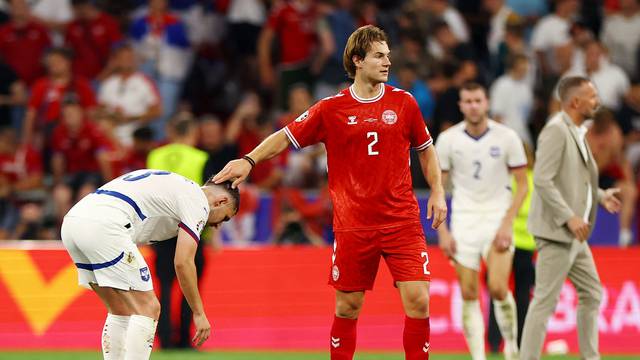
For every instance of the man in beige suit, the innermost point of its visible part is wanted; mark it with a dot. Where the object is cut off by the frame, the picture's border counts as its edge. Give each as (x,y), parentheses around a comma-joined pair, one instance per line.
(561,217)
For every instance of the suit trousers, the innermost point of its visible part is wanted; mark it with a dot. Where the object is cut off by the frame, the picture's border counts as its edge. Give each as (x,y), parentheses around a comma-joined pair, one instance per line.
(556,261)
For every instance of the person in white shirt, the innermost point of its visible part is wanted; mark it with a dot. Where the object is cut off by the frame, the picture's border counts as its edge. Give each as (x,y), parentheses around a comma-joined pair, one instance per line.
(621,35)
(512,97)
(552,33)
(102,230)
(130,95)
(612,82)
(499,15)
(452,17)
(481,156)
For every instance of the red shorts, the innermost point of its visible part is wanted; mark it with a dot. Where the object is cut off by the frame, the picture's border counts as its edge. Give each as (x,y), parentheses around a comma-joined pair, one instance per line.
(356,256)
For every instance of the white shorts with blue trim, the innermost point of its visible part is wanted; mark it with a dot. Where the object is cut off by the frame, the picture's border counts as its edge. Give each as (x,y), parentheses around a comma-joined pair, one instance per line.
(105,254)
(474,234)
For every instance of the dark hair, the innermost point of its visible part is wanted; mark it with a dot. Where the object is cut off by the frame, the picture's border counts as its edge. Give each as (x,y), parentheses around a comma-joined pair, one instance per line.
(473,86)
(358,44)
(182,127)
(144,133)
(65,52)
(234,192)
(567,84)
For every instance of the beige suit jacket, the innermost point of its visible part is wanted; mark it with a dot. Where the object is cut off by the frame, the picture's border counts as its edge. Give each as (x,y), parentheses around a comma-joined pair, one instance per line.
(561,178)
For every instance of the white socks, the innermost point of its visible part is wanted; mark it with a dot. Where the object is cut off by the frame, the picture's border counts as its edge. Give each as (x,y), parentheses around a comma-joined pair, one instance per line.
(140,335)
(505,311)
(473,325)
(113,337)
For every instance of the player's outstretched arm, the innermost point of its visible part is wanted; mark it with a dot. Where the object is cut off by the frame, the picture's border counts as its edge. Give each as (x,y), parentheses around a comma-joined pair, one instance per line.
(437,206)
(240,168)
(188,279)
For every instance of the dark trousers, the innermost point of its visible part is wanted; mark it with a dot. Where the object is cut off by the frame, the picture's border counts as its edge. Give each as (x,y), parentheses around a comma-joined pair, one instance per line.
(524,279)
(165,252)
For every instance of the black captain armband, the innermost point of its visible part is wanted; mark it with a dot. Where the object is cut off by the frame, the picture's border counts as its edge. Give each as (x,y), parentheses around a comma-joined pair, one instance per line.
(250,160)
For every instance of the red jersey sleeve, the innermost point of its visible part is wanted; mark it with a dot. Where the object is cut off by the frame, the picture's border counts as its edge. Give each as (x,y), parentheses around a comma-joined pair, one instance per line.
(418,133)
(274,20)
(308,128)
(37,94)
(85,92)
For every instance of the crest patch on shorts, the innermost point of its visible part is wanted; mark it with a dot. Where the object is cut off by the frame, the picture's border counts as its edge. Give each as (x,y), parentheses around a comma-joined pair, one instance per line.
(144,274)
(335,273)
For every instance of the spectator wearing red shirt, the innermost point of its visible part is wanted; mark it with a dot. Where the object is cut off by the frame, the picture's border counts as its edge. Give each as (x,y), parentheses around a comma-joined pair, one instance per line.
(76,144)
(43,109)
(293,24)
(91,35)
(23,42)
(21,165)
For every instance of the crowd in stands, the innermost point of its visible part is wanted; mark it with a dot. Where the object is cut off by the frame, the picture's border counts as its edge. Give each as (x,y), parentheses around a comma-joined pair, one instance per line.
(87,88)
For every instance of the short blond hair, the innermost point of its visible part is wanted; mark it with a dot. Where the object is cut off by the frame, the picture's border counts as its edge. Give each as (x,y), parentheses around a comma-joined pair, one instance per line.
(359,44)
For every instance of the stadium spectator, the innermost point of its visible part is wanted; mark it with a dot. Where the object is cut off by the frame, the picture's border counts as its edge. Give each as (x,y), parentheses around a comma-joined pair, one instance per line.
(255,128)
(219,141)
(447,111)
(500,14)
(407,78)
(13,96)
(452,17)
(91,35)
(411,49)
(143,143)
(44,106)
(23,42)
(612,82)
(444,46)
(54,15)
(293,24)
(245,18)
(621,35)
(550,37)
(333,30)
(607,145)
(512,98)
(161,42)
(76,143)
(130,95)
(9,214)
(21,166)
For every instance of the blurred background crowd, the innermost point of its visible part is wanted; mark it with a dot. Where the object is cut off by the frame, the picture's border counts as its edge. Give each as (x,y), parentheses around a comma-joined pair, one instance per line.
(88,88)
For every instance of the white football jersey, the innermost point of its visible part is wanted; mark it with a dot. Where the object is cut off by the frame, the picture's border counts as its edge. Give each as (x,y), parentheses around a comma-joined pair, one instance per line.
(152,203)
(479,167)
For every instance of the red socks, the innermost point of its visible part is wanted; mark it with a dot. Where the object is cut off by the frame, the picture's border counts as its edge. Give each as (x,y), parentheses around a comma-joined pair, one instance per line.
(416,338)
(343,338)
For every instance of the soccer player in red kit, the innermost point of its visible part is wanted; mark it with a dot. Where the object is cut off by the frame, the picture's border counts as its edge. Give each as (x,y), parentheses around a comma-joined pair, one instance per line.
(368,130)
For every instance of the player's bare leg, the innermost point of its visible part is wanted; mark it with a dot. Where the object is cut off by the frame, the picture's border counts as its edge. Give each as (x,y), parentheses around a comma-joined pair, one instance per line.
(415,300)
(499,269)
(115,326)
(472,319)
(343,330)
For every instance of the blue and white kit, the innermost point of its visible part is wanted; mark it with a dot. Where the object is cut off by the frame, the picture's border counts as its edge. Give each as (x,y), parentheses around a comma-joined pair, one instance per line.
(101,231)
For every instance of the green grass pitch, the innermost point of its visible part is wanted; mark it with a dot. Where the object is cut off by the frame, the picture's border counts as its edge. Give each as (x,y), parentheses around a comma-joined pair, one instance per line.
(232,355)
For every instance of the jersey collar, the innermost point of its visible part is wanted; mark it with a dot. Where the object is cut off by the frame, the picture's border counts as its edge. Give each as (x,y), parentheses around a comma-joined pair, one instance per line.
(369,100)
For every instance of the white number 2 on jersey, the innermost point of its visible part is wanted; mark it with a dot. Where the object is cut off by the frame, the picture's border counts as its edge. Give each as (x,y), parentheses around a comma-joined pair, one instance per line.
(374,135)
(426,262)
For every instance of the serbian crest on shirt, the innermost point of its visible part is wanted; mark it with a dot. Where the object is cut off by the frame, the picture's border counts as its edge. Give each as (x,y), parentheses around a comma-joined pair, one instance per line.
(144,274)
(389,117)
(200,226)
(494,151)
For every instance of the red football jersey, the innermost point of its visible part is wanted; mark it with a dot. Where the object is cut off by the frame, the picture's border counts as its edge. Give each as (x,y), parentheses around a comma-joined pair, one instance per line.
(367,142)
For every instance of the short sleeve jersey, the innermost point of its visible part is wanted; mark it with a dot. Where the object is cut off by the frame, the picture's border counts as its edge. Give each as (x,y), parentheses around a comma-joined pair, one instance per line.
(368,143)
(156,202)
(480,166)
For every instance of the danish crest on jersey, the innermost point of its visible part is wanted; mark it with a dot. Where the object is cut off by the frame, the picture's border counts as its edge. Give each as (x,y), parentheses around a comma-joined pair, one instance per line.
(144,274)
(494,151)
(335,273)
(302,117)
(389,117)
